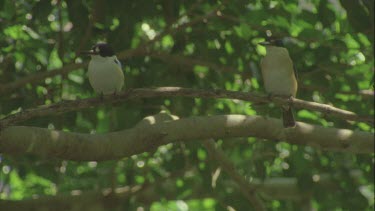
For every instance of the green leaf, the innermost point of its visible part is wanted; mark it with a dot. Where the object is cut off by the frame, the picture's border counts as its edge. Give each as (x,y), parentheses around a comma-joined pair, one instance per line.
(16,32)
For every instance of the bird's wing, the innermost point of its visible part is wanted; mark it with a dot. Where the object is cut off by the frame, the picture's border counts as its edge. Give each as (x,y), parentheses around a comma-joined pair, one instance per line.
(119,70)
(295,72)
(118,63)
(120,75)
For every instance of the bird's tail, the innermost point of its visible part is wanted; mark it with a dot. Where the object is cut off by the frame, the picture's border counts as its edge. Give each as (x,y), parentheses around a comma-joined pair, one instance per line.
(288,118)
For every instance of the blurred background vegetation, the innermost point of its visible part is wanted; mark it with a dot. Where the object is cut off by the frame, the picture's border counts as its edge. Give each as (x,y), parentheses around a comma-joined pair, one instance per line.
(198,44)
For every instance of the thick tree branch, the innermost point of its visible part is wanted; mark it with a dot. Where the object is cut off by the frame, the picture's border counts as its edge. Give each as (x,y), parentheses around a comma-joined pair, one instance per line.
(67,106)
(153,132)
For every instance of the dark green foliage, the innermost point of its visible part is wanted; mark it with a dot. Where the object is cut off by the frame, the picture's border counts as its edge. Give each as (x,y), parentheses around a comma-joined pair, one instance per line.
(331,43)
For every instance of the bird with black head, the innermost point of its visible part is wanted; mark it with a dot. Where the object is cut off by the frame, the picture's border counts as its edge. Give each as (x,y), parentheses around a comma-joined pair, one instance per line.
(104,71)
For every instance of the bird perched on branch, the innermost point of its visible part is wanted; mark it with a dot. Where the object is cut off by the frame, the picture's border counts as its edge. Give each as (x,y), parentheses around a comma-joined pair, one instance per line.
(104,71)
(279,76)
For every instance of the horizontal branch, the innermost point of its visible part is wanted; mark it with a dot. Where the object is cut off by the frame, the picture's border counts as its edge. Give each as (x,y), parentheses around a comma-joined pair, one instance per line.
(157,130)
(67,106)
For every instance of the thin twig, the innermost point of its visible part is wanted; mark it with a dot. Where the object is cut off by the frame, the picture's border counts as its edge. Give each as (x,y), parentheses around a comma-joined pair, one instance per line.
(245,187)
(67,106)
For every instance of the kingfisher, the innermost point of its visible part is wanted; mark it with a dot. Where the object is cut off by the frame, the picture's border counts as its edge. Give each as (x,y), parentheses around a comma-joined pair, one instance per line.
(104,71)
(279,76)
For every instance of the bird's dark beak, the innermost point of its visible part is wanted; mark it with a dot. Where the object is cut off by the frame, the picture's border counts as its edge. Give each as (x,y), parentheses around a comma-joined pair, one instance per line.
(264,43)
(90,52)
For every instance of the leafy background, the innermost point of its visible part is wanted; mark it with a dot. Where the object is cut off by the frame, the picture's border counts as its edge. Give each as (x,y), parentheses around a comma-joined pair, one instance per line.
(197,44)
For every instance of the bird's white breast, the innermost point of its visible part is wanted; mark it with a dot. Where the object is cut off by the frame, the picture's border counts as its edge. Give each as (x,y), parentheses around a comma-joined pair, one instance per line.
(105,75)
(278,72)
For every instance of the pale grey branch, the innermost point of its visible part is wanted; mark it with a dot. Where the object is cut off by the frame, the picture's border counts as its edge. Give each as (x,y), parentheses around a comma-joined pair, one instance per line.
(146,137)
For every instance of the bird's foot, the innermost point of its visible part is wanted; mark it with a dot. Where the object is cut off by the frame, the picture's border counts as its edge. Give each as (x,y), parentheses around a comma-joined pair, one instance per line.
(290,100)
